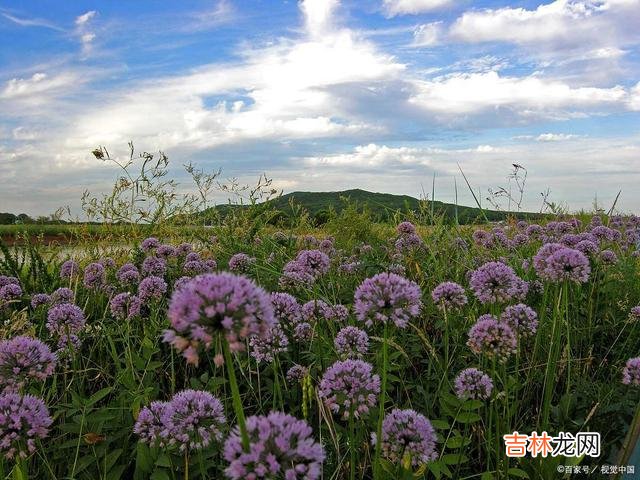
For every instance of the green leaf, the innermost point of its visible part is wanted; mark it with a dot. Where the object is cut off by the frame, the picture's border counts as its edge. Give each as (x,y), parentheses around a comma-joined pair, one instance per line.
(99,395)
(160,475)
(468,417)
(516,472)
(457,442)
(454,459)
(440,424)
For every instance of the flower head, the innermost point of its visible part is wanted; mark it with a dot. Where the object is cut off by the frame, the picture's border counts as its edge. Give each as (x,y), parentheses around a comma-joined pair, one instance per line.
(474,384)
(23,359)
(23,420)
(349,388)
(65,319)
(522,319)
(286,309)
(94,276)
(128,274)
(217,303)
(407,434)
(149,244)
(152,289)
(69,270)
(297,373)
(387,297)
(40,299)
(265,348)
(556,264)
(496,282)
(154,266)
(241,262)
(631,372)
(449,295)
(351,342)
(280,446)
(62,295)
(124,306)
(492,338)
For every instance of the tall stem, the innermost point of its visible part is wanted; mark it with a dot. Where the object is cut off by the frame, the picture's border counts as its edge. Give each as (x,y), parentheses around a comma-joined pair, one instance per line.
(235,395)
(352,448)
(383,397)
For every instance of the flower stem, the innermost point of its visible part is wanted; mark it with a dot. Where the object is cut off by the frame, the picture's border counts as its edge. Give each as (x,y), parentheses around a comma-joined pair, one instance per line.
(383,394)
(235,394)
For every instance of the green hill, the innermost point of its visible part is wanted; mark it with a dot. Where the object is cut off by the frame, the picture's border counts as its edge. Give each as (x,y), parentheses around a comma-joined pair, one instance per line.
(382,206)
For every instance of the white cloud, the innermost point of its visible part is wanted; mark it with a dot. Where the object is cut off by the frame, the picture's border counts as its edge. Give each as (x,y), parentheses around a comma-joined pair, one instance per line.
(31,22)
(319,15)
(475,93)
(84,31)
(222,13)
(634,99)
(427,35)
(35,88)
(556,137)
(413,7)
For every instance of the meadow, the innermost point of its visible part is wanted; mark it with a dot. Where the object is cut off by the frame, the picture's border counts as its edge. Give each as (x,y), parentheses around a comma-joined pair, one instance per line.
(246,350)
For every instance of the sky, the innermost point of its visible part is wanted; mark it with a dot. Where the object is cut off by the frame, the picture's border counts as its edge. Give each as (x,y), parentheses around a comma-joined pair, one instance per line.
(325,95)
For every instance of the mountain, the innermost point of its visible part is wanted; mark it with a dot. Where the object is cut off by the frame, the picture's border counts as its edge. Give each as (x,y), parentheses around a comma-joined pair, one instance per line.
(381,205)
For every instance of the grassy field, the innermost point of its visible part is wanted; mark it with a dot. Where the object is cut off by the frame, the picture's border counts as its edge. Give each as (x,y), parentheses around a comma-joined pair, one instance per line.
(366,344)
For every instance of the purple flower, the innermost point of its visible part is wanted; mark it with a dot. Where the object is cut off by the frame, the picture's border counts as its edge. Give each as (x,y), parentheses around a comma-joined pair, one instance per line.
(405,228)
(495,282)
(407,433)
(94,276)
(194,267)
(522,319)
(241,262)
(472,383)
(387,297)
(587,247)
(217,303)
(65,319)
(307,267)
(69,270)
(192,257)
(10,292)
(210,265)
(449,295)
(349,388)
(128,274)
(286,309)
(296,373)
(181,282)
(184,248)
(154,266)
(62,295)
(166,251)
(608,257)
(351,342)
(635,313)
(631,372)
(492,338)
(149,244)
(40,299)
(23,359)
(408,242)
(482,238)
(280,446)
(265,348)
(303,332)
(192,420)
(152,289)
(107,262)
(124,306)
(558,263)
(4,281)
(315,310)
(23,420)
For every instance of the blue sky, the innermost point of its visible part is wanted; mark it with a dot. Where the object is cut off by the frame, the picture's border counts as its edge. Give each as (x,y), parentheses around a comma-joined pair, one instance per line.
(324,95)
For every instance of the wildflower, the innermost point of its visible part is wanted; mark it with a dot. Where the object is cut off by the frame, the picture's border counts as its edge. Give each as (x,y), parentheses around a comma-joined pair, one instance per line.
(107,262)
(631,372)
(635,313)
(307,267)
(152,289)
(297,373)
(69,270)
(407,242)
(62,295)
(40,299)
(449,295)
(210,265)
(482,238)
(241,262)
(94,276)
(23,420)
(184,248)
(265,348)
(608,257)
(587,247)
(387,297)
(303,332)
(166,252)
(194,267)
(149,426)
(495,282)
(149,244)
(280,446)
(154,266)
(286,309)
(349,388)
(315,310)
(472,383)
(23,359)
(492,338)
(522,319)
(125,306)
(407,434)
(351,342)
(5,280)
(556,263)
(65,319)
(10,292)
(128,274)
(217,303)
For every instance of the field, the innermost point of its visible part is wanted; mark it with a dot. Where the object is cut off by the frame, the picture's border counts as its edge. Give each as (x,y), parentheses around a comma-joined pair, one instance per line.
(173,357)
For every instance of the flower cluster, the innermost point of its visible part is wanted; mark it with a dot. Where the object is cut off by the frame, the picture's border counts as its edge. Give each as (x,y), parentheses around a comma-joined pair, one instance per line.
(387,297)
(94,276)
(265,348)
(495,282)
(307,267)
(449,295)
(191,420)
(280,446)
(125,306)
(349,388)
(351,342)
(407,434)
(154,266)
(69,270)
(631,372)
(555,263)
(217,303)
(286,309)
(23,420)
(474,384)
(241,263)
(65,321)
(492,338)
(522,319)
(152,289)
(128,274)
(23,359)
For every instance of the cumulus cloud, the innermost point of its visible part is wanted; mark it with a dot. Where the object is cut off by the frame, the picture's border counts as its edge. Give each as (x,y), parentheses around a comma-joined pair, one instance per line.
(413,7)
(427,35)
(555,137)
(37,88)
